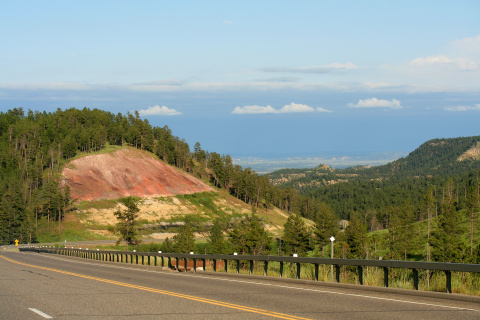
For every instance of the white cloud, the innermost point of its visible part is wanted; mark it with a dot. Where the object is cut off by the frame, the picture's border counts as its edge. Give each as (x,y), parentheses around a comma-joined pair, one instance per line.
(328,68)
(254,110)
(290,108)
(159,111)
(377,103)
(295,107)
(464,108)
(460,63)
(320,109)
(467,44)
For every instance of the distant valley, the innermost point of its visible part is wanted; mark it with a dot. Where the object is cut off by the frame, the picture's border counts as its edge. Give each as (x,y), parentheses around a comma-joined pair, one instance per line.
(263,164)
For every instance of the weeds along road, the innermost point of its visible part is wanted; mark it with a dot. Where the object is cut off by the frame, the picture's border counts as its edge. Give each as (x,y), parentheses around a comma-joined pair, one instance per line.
(39,286)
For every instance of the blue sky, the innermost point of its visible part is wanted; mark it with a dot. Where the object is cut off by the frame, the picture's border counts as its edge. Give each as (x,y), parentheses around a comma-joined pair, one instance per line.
(254,77)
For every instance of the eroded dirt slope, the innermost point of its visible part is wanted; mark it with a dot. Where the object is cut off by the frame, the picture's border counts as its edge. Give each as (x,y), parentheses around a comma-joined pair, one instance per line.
(126,172)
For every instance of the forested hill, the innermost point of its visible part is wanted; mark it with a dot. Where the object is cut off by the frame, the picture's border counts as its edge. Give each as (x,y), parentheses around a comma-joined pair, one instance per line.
(438,157)
(434,158)
(365,189)
(35,146)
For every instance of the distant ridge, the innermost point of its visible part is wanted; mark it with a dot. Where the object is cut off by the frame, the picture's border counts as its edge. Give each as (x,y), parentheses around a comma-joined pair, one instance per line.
(434,158)
(126,172)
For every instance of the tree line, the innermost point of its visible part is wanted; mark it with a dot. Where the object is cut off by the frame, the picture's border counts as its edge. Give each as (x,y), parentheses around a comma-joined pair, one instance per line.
(35,145)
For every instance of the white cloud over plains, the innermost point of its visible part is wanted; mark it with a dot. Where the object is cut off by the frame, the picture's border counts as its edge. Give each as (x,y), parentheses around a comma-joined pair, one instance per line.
(159,111)
(458,63)
(464,108)
(328,68)
(376,103)
(290,108)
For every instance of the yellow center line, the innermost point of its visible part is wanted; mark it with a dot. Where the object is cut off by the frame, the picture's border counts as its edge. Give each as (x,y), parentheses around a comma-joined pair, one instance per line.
(169,293)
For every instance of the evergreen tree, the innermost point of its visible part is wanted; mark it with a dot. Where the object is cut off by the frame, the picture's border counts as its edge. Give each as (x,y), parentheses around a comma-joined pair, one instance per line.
(184,240)
(472,206)
(356,237)
(400,229)
(167,246)
(216,242)
(429,206)
(249,236)
(326,225)
(127,221)
(296,236)
(446,239)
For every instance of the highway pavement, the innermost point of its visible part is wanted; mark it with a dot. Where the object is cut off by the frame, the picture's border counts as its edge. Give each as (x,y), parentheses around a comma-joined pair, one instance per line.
(42,286)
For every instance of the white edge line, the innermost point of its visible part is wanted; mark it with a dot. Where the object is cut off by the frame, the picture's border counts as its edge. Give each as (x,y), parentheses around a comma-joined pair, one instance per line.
(40,313)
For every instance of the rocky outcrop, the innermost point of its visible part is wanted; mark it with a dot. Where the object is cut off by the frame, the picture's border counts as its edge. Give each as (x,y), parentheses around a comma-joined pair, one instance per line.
(126,172)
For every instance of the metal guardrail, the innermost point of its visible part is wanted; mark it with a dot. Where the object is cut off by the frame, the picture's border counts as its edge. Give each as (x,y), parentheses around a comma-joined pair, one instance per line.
(129,256)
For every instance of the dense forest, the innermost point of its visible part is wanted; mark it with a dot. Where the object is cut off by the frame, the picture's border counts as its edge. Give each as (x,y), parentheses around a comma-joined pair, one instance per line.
(34,146)
(429,201)
(368,190)
(438,183)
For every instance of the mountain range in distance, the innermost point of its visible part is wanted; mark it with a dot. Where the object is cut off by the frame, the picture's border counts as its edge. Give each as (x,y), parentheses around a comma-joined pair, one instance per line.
(264,164)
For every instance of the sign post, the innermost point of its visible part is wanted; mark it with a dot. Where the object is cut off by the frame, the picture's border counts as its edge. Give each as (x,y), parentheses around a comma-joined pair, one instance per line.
(332,239)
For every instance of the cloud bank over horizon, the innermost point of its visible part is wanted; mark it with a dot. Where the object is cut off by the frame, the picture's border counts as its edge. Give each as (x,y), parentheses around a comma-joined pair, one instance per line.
(290,108)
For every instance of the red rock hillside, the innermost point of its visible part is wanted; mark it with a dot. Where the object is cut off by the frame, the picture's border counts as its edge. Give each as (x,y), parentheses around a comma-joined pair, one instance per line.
(127,172)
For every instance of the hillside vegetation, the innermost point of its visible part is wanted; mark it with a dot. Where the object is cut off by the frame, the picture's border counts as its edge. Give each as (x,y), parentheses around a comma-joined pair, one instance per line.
(436,187)
(361,189)
(423,207)
(34,148)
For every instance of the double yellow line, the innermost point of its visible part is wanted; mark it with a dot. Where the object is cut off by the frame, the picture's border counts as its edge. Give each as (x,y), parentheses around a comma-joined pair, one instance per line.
(169,293)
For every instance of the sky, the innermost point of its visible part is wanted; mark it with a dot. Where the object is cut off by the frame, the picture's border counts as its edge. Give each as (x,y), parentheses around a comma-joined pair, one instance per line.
(254,78)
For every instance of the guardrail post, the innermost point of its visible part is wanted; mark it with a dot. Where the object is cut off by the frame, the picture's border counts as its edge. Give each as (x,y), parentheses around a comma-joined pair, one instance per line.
(251,267)
(148,260)
(143,260)
(176,262)
(298,270)
(385,277)
(225,264)
(337,273)
(265,268)
(204,264)
(169,264)
(281,269)
(194,265)
(360,275)
(316,271)
(238,266)
(448,275)
(214,265)
(155,261)
(415,279)
(185,264)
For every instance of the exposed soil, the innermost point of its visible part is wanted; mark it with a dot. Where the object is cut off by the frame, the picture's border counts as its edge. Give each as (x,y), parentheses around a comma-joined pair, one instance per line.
(132,172)
(126,172)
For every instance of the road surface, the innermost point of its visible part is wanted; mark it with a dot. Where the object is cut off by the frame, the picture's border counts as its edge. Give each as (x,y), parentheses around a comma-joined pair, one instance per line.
(43,286)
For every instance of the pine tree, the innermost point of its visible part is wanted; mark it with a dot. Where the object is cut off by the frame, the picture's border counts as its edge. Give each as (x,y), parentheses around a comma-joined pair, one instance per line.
(356,237)
(184,240)
(216,242)
(326,225)
(249,236)
(445,241)
(127,221)
(296,236)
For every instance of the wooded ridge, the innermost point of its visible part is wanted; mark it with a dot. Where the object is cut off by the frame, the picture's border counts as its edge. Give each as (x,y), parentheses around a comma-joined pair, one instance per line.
(438,183)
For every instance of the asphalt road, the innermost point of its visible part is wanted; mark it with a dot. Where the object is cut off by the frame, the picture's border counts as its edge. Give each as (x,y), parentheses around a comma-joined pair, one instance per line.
(40,286)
